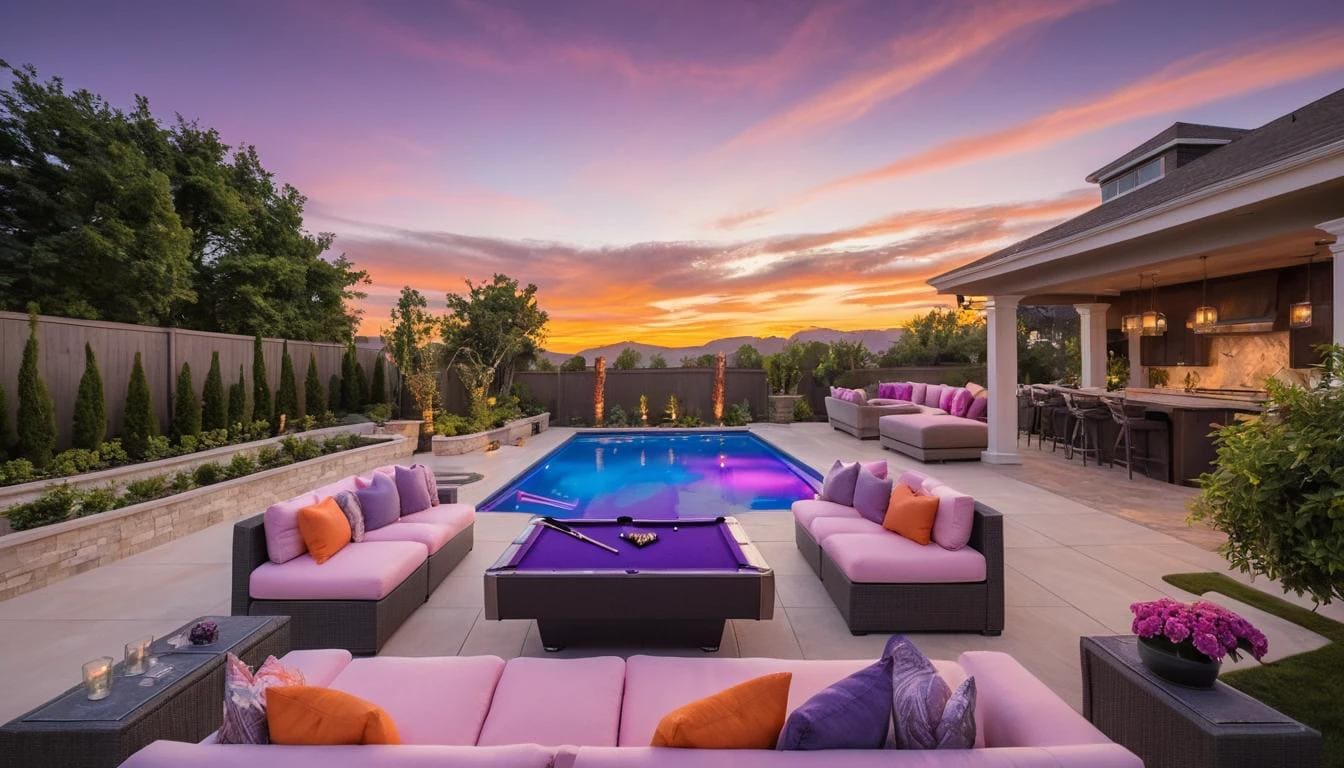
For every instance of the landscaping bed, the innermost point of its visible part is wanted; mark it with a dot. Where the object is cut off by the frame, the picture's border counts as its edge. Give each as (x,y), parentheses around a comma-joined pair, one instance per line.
(518,429)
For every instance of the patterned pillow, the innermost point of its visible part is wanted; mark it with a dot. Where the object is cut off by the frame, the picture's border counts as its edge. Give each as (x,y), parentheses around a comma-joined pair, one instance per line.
(245,698)
(961,403)
(956,729)
(945,399)
(431,484)
(919,696)
(887,390)
(348,501)
(905,391)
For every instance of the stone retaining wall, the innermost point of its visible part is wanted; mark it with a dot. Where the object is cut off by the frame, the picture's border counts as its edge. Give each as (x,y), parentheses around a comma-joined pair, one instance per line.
(33,559)
(514,430)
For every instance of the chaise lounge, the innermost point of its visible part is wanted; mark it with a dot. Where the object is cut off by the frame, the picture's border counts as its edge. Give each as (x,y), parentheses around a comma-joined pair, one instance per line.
(362,594)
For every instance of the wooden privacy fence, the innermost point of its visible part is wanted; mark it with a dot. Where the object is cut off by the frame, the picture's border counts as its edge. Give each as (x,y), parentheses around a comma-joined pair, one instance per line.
(568,395)
(162,353)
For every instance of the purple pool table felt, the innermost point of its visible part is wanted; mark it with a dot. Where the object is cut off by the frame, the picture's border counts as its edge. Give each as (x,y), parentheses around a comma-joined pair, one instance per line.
(694,545)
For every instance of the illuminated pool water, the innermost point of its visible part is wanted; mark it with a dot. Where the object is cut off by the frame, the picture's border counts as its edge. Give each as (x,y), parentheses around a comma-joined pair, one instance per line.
(657,475)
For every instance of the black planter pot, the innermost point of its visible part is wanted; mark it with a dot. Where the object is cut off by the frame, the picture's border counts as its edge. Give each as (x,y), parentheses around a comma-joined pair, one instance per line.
(1181,665)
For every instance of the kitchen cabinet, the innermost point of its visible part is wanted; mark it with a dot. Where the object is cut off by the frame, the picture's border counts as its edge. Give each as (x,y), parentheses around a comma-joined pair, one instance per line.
(1302,342)
(1179,345)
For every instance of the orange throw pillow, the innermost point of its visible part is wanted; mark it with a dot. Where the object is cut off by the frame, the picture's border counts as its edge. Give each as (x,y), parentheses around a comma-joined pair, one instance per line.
(748,715)
(324,529)
(911,515)
(302,714)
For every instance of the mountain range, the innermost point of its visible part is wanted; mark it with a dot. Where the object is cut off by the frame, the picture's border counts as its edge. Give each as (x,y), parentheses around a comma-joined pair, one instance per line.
(874,340)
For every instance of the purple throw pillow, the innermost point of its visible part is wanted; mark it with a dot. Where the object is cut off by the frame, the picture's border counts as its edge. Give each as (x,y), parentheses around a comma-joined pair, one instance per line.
(871,495)
(904,391)
(838,487)
(956,728)
(961,403)
(379,502)
(979,407)
(878,468)
(412,494)
(887,390)
(853,713)
(919,696)
(949,394)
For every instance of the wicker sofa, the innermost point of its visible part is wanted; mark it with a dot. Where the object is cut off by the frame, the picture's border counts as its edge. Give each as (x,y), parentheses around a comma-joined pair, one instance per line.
(359,597)
(883,582)
(479,711)
(860,419)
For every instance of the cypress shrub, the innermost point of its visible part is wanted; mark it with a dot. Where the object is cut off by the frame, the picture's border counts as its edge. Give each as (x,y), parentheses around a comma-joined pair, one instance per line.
(361,387)
(186,406)
(37,414)
(261,391)
(4,423)
(349,385)
(378,389)
(90,422)
(287,396)
(214,408)
(314,399)
(334,394)
(238,400)
(140,424)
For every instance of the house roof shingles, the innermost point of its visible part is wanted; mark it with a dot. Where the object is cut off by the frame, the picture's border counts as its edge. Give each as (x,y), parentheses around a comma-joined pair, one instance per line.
(1174,132)
(1315,125)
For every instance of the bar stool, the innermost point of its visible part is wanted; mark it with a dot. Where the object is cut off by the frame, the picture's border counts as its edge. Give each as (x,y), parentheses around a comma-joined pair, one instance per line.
(1053,419)
(1086,414)
(1026,412)
(1132,419)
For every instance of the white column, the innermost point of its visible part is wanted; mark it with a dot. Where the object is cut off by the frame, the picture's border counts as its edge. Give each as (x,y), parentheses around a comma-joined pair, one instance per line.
(1092,329)
(1001,319)
(1136,377)
(1336,228)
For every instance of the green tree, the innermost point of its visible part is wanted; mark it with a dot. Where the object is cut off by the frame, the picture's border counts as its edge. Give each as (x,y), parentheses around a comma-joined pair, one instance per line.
(543,363)
(90,420)
(575,363)
(4,423)
(746,356)
(261,390)
(361,386)
(37,413)
(378,387)
(334,394)
(214,406)
(657,360)
(287,395)
(314,399)
(488,329)
(350,382)
(939,337)
(627,360)
(841,357)
(186,406)
(407,341)
(140,424)
(238,400)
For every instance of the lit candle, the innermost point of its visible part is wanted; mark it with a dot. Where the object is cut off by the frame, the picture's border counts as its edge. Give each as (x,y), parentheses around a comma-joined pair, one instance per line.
(137,656)
(98,677)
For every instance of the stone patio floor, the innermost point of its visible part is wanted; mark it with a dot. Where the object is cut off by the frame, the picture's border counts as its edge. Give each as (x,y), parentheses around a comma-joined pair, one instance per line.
(1081,546)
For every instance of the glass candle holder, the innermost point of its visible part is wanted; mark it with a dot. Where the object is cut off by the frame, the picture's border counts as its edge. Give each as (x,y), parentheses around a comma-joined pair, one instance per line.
(98,678)
(137,656)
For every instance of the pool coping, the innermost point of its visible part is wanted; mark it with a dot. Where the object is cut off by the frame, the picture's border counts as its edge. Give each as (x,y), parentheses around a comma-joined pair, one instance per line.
(808,474)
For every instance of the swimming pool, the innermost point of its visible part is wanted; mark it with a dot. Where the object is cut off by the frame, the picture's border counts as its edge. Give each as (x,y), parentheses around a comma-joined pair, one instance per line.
(657,475)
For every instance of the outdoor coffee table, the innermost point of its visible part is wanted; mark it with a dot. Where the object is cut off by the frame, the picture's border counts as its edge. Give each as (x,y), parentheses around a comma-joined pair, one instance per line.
(1169,725)
(185,704)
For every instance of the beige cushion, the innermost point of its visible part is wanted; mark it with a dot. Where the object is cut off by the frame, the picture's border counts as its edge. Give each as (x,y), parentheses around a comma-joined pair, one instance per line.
(975,389)
(929,431)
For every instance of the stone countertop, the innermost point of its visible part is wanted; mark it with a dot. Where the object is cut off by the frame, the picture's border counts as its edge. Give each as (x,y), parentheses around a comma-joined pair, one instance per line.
(1191,401)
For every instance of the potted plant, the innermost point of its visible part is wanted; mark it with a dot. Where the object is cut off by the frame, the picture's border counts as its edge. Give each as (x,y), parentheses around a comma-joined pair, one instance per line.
(1185,643)
(783,373)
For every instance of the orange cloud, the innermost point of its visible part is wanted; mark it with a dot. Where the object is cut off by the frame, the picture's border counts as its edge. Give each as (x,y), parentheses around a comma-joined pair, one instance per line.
(1190,82)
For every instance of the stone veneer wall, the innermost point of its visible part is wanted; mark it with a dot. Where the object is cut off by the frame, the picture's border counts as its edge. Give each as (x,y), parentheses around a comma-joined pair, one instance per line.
(33,559)
(1237,362)
(518,429)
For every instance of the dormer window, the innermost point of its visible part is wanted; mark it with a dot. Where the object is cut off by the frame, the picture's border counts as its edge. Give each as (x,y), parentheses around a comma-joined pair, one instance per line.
(1145,174)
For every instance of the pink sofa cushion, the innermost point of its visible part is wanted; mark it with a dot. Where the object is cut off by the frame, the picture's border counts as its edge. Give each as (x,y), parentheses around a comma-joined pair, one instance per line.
(933,395)
(945,399)
(331,489)
(905,391)
(280,522)
(369,570)
(320,666)
(656,685)
(878,468)
(1014,709)
(979,407)
(961,403)
(441,700)
(807,510)
(912,479)
(929,431)
(1081,756)
(453,517)
(177,754)
(956,516)
(888,558)
(536,702)
(824,527)
(432,536)
(918,390)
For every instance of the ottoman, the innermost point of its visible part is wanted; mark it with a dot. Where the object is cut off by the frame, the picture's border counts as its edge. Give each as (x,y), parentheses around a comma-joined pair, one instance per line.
(933,438)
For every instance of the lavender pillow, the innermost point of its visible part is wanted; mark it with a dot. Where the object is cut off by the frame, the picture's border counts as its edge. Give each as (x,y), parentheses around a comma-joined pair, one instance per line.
(354,515)
(979,407)
(871,496)
(955,519)
(887,390)
(945,399)
(851,714)
(379,502)
(919,696)
(917,392)
(956,728)
(835,392)
(412,494)
(961,403)
(431,484)
(280,523)
(878,468)
(904,391)
(932,395)
(838,487)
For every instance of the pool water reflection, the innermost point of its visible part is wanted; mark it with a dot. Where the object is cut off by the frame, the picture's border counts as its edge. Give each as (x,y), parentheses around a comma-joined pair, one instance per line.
(657,475)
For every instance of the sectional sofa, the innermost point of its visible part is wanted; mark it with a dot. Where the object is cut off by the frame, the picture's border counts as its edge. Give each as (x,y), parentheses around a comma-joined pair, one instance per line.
(359,597)
(883,582)
(929,422)
(479,711)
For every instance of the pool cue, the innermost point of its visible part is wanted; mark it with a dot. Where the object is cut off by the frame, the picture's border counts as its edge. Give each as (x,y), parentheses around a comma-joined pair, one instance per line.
(581,537)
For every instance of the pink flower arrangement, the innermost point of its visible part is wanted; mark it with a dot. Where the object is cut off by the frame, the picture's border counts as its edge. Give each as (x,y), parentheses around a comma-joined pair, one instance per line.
(1210,629)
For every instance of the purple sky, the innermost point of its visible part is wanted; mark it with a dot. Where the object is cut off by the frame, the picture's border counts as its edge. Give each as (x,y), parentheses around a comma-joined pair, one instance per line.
(674,172)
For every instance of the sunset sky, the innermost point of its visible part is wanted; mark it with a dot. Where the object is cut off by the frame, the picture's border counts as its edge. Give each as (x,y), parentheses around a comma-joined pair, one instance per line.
(673,172)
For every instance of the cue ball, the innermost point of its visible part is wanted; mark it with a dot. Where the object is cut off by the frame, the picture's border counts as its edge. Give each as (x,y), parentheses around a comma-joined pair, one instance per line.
(674,527)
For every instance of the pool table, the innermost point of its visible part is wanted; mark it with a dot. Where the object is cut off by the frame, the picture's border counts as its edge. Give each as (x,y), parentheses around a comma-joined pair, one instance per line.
(678,590)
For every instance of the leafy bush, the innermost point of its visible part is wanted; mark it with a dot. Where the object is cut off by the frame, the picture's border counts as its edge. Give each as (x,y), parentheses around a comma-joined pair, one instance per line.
(616,417)
(112,453)
(1277,486)
(90,420)
(270,457)
(4,424)
(802,411)
(328,419)
(379,412)
(208,473)
(74,461)
(56,505)
(735,416)
(300,449)
(181,482)
(528,404)
(672,410)
(239,466)
(145,489)
(378,387)
(188,444)
(215,438)
(451,424)
(17,471)
(314,397)
(336,443)
(95,500)
(158,447)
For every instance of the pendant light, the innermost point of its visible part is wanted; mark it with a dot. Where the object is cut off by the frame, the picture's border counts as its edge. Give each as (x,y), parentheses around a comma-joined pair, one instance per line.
(1299,314)
(1206,316)
(1133,322)
(1153,323)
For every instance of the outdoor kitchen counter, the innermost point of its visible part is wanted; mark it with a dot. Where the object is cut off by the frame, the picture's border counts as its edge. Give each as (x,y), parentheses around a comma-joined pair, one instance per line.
(1162,400)
(1192,418)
